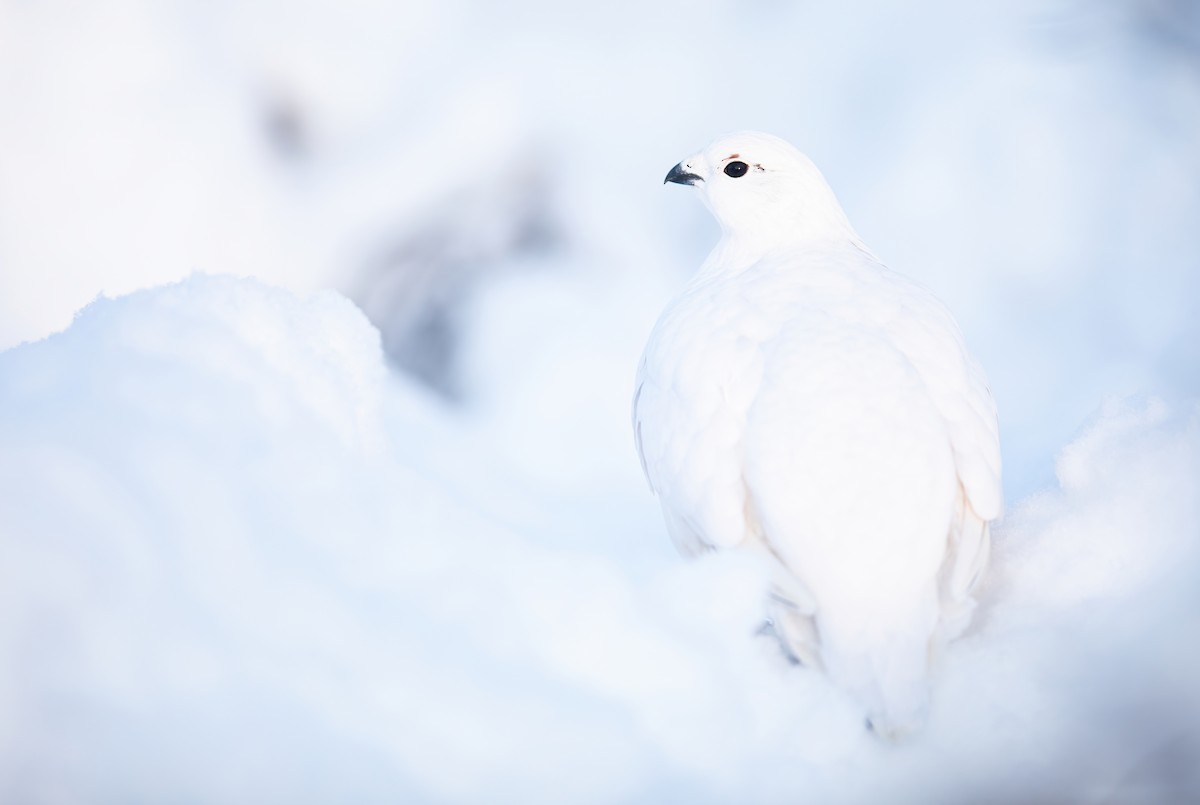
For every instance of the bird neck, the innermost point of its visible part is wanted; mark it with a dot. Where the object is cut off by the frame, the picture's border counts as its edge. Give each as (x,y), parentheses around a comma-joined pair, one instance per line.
(741,248)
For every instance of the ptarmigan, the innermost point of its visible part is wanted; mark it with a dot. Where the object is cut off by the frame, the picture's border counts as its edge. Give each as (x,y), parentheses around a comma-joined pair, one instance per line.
(801,400)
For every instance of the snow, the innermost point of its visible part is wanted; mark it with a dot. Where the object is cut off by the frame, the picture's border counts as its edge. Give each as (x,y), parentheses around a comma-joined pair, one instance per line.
(245,563)
(246,559)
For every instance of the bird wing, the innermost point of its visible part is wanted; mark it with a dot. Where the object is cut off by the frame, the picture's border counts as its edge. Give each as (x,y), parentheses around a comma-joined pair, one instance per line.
(692,389)
(637,424)
(652,450)
(970,552)
(932,341)
(966,558)
(710,509)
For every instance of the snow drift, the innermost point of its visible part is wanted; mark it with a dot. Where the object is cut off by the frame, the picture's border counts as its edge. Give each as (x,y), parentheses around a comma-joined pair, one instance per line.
(244,563)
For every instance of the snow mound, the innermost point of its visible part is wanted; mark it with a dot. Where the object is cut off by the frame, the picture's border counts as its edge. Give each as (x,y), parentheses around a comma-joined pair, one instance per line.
(1079,682)
(244,564)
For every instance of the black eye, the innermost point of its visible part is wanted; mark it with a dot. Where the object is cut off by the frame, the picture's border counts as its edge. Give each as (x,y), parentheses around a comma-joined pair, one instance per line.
(736,169)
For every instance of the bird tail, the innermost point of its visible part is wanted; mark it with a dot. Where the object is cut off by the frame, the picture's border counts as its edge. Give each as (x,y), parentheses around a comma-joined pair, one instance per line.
(887,671)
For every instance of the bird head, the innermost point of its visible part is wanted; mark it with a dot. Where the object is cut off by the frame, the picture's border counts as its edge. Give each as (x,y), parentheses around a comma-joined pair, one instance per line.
(763,192)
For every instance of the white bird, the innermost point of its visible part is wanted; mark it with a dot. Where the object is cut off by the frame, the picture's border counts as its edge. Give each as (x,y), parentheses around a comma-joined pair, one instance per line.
(801,400)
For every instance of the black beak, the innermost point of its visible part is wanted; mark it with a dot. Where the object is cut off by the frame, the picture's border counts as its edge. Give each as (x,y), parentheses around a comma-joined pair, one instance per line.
(679,175)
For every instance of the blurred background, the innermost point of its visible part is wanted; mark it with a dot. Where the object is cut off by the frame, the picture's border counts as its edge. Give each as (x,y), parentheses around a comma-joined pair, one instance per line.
(235,569)
(485,180)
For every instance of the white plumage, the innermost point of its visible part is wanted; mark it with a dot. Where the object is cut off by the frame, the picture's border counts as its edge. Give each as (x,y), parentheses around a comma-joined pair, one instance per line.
(801,400)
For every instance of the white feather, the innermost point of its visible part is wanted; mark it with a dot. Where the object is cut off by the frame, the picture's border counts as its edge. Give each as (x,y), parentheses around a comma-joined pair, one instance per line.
(801,400)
